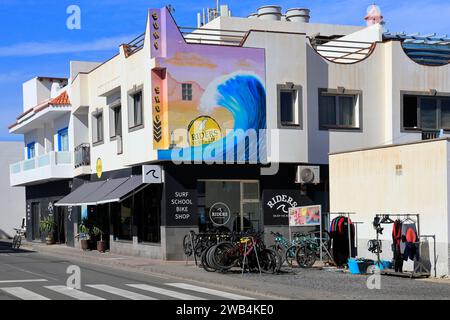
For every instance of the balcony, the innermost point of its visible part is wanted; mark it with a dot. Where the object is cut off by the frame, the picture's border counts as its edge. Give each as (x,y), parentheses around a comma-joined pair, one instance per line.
(82,161)
(431,134)
(48,167)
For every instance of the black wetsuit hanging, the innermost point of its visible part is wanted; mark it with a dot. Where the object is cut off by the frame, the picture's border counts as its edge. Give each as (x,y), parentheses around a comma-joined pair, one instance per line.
(396,241)
(340,242)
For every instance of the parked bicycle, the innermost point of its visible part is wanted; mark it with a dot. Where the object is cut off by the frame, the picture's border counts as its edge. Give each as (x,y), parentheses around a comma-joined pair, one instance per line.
(304,249)
(17,240)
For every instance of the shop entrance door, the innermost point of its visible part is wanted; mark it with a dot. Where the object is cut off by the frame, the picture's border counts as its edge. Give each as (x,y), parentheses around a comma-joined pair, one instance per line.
(229,205)
(36,218)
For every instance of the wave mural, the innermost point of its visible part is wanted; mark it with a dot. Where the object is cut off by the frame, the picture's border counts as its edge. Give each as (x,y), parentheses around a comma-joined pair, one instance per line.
(243,95)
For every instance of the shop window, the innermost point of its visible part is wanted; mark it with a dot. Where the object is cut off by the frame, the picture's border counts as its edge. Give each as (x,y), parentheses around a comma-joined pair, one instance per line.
(31,150)
(186,91)
(228,206)
(339,111)
(426,112)
(97,127)
(147,214)
(289,106)
(124,222)
(135,111)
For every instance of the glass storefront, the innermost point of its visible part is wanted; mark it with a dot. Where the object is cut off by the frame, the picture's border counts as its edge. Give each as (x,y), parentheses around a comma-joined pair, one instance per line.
(227,205)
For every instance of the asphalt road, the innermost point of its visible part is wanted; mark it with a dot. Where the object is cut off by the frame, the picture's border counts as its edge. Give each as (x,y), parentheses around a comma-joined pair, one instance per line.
(27,275)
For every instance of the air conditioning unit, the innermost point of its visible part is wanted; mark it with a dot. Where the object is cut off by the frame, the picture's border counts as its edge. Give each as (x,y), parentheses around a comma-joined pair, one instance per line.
(308,174)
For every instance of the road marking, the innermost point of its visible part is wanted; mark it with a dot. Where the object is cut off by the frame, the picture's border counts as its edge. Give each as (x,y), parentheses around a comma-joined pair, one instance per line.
(23,281)
(74,293)
(213,292)
(30,272)
(120,292)
(23,293)
(164,292)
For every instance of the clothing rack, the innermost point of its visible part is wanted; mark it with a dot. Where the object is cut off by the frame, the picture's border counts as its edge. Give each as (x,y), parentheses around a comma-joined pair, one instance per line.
(408,217)
(347,215)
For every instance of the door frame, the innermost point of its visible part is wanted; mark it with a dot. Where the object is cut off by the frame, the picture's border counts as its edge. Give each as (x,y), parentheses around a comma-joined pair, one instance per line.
(242,200)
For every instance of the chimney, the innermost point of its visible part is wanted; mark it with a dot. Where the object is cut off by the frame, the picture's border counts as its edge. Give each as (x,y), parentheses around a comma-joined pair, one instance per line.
(298,15)
(270,13)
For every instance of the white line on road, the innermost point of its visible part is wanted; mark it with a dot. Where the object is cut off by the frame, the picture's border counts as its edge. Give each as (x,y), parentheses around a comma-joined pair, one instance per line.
(74,293)
(23,281)
(164,292)
(23,293)
(120,292)
(213,292)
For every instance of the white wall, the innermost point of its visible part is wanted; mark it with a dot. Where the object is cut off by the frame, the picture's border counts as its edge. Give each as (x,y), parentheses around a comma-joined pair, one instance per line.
(367,183)
(12,199)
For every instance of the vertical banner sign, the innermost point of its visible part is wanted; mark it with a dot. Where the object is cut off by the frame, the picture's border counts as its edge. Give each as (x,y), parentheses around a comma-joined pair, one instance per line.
(155,32)
(159,111)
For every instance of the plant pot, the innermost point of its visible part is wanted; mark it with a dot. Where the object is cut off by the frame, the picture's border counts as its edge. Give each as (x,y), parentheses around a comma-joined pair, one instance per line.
(84,245)
(49,240)
(101,246)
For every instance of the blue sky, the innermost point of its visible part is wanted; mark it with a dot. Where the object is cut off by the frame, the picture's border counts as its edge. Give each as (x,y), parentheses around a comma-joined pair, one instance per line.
(34,39)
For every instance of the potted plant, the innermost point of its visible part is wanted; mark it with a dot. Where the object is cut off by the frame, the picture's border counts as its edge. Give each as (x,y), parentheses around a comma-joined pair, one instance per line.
(47,226)
(83,235)
(101,245)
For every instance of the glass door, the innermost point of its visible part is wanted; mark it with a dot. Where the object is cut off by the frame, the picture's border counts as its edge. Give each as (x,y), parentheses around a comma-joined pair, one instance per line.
(228,205)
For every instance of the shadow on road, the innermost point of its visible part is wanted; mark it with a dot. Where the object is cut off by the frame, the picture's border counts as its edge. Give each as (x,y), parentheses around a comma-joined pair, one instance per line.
(6,248)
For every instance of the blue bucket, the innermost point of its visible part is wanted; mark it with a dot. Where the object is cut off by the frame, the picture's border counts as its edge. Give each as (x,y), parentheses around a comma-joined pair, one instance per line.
(353,266)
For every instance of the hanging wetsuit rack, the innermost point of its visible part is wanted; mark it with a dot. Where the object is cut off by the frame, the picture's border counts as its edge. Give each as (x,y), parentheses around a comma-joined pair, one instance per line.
(386,219)
(347,215)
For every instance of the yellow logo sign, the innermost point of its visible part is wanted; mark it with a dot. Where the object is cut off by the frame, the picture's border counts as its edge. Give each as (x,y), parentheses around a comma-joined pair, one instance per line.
(204,130)
(99,168)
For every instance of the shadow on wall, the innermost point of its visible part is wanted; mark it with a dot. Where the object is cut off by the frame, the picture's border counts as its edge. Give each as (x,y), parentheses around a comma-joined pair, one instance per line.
(319,141)
(4,235)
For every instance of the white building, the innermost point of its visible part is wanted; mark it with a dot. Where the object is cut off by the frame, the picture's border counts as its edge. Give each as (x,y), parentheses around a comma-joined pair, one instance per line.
(316,88)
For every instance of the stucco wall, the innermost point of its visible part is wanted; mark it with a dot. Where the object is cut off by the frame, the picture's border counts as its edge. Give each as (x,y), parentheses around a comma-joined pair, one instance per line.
(12,199)
(367,183)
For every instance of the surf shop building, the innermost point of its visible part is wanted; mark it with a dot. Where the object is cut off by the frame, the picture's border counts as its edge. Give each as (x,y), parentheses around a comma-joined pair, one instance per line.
(190,129)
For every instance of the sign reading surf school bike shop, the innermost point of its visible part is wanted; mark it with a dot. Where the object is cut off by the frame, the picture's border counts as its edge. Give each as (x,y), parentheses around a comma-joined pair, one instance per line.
(276,205)
(181,204)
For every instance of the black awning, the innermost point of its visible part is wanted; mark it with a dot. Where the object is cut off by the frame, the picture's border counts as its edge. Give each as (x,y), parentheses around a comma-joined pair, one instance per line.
(100,192)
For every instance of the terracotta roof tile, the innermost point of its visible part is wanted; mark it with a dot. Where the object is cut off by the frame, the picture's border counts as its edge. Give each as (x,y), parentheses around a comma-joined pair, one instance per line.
(62,99)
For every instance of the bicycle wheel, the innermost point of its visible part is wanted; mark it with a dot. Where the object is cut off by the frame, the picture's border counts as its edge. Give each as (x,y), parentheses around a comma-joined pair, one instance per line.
(204,260)
(14,243)
(290,256)
(305,257)
(268,261)
(187,245)
(224,256)
(19,242)
(281,252)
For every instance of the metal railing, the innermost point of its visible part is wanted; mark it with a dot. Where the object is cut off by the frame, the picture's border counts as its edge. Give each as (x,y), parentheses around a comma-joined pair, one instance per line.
(134,45)
(83,155)
(342,51)
(431,134)
(213,36)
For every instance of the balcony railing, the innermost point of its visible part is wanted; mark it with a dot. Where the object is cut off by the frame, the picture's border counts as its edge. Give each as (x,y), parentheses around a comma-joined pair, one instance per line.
(431,134)
(134,45)
(52,165)
(83,155)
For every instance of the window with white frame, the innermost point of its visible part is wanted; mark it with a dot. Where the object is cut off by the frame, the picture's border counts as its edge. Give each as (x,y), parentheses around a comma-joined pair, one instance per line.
(339,110)
(289,105)
(186,92)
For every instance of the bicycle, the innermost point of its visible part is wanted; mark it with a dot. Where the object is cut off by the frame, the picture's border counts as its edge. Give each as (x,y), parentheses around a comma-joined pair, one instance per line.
(17,240)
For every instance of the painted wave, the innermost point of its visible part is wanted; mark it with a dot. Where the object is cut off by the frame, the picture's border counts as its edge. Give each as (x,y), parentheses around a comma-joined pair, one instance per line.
(244,96)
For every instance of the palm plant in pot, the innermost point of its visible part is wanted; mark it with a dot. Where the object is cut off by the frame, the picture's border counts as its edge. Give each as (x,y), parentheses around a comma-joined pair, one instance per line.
(83,235)
(47,227)
(101,244)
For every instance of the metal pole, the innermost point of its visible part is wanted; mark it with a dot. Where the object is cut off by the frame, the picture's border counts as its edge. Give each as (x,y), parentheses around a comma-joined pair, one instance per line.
(349,237)
(320,237)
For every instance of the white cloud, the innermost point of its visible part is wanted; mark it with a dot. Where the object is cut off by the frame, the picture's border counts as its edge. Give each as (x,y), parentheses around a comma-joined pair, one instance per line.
(28,49)
(14,76)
